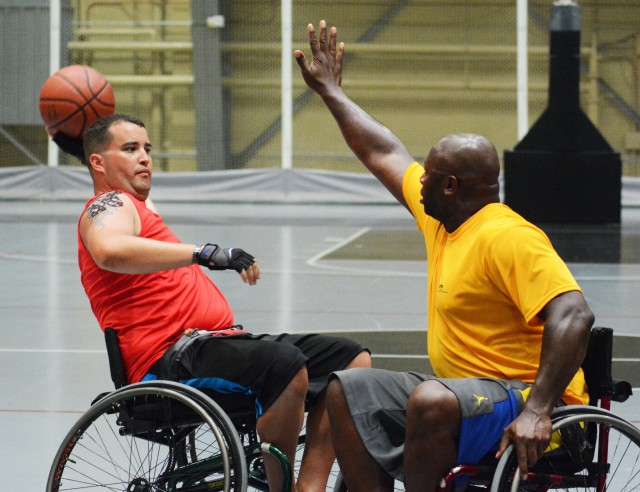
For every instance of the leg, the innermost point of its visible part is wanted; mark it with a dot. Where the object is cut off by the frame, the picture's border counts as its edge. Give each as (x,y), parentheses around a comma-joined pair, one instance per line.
(433,423)
(319,454)
(281,424)
(276,372)
(360,470)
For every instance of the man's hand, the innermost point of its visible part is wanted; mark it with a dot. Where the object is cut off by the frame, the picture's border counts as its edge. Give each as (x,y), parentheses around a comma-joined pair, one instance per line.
(531,434)
(216,258)
(325,68)
(70,145)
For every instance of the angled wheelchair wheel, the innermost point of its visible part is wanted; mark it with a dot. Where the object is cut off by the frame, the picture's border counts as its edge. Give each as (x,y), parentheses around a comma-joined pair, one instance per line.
(155,436)
(595,450)
(257,477)
(255,464)
(341,486)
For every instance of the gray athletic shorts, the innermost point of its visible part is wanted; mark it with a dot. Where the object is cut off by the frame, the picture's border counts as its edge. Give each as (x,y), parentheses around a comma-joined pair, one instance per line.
(377,401)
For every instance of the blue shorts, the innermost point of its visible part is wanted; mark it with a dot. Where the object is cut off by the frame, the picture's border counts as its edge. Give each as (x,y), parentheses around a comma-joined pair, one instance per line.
(487,406)
(378,399)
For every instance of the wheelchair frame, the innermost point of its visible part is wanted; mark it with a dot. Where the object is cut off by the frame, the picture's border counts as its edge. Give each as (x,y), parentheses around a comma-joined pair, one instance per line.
(501,476)
(163,435)
(603,389)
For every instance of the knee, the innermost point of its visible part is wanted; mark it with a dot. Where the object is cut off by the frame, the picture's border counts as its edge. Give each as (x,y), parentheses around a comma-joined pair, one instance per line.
(363,359)
(299,384)
(432,404)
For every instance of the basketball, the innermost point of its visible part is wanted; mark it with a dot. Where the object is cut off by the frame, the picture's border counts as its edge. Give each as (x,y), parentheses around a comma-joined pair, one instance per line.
(73,98)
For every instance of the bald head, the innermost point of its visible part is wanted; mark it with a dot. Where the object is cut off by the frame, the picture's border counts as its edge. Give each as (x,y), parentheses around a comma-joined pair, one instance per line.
(467,155)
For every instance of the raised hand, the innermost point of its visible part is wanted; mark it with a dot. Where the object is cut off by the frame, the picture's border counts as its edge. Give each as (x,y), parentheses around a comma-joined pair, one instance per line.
(325,69)
(70,145)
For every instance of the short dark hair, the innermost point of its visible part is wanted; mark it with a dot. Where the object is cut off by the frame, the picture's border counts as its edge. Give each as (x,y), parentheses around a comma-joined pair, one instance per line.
(98,137)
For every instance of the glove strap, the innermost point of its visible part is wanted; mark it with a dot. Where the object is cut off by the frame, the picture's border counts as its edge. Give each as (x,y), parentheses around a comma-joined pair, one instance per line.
(206,253)
(196,253)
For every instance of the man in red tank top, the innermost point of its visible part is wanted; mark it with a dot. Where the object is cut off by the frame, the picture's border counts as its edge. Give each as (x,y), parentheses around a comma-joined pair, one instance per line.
(145,283)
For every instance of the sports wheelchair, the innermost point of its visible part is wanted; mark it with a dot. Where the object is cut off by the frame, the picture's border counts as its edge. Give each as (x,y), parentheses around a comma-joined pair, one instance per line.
(592,449)
(161,436)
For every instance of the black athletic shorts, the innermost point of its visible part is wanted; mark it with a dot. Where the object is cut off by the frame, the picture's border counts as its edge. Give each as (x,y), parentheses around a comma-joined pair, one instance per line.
(263,365)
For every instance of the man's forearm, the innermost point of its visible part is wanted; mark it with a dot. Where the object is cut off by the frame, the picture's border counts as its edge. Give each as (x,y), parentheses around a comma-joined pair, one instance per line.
(564,346)
(377,147)
(364,134)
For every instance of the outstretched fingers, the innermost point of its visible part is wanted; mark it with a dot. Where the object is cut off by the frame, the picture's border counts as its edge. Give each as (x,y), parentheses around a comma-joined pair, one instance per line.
(324,70)
(313,39)
(313,44)
(323,35)
(320,48)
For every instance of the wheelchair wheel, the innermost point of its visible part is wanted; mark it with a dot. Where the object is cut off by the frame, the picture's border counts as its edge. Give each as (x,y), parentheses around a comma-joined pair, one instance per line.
(255,464)
(597,451)
(154,436)
(341,486)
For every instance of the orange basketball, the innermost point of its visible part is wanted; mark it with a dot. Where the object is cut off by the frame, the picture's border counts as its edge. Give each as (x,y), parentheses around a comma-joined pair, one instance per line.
(73,98)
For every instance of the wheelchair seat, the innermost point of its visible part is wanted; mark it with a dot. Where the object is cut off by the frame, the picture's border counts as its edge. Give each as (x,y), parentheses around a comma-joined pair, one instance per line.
(240,407)
(583,459)
(164,435)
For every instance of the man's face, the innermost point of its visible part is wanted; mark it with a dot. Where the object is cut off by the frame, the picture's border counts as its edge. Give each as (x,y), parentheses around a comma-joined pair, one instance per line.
(127,160)
(432,182)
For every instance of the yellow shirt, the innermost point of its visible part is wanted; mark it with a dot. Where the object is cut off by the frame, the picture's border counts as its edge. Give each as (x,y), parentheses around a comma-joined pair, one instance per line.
(487,281)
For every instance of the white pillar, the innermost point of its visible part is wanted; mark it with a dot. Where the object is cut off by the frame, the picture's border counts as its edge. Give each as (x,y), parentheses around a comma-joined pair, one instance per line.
(522,62)
(54,65)
(287,88)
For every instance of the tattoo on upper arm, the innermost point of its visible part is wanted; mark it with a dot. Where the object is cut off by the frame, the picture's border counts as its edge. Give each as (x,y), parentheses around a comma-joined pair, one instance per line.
(103,205)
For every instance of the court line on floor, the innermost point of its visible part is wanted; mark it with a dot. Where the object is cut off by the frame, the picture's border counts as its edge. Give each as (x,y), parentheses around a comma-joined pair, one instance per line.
(54,351)
(315,261)
(39,259)
(340,244)
(10,410)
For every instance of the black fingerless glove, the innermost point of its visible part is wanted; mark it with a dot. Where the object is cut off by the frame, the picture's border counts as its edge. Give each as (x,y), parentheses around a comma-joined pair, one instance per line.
(70,145)
(216,258)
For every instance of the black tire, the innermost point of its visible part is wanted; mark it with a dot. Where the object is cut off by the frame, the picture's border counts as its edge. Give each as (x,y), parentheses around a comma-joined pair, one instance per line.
(255,466)
(341,486)
(151,436)
(575,464)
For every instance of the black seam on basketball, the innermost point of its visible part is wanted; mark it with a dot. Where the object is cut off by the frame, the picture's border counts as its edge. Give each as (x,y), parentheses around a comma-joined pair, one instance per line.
(75,88)
(96,96)
(84,119)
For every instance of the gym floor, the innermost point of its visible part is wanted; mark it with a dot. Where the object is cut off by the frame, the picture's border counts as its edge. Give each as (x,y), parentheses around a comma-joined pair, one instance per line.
(357,270)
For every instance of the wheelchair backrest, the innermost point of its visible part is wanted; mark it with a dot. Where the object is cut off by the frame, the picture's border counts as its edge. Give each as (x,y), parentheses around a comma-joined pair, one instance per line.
(116,364)
(597,368)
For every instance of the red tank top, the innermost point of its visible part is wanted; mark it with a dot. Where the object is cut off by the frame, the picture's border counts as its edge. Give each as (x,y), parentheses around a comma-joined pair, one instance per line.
(150,311)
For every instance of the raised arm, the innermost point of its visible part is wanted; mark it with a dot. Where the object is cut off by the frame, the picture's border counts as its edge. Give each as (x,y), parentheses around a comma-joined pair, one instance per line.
(373,144)
(568,321)
(109,229)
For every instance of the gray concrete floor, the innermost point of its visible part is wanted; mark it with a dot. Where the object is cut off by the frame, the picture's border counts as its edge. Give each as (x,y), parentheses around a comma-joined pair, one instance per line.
(52,356)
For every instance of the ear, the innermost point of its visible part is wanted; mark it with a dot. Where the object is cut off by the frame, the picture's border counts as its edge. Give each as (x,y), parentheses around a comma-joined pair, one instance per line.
(451,185)
(96,163)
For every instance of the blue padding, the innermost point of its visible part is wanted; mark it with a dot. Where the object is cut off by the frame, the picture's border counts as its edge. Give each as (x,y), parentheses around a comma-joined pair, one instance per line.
(218,385)
(481,435)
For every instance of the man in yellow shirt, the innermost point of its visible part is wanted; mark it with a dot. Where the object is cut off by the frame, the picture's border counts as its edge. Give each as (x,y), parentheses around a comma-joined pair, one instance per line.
(508,325)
